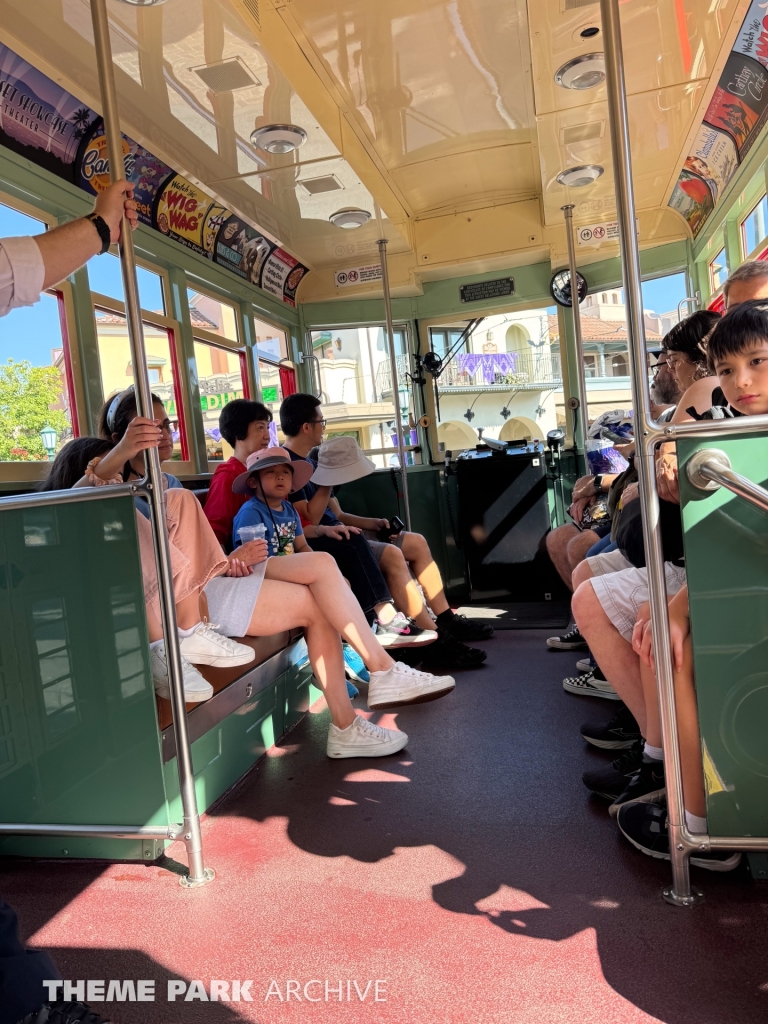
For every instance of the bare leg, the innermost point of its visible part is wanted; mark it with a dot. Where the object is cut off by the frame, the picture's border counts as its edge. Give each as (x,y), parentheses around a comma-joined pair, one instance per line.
(688,732)
(286,606)
(557,547)
(581,573)
(652,731)
(579,546)
(405,593)
(619,663)
(417,554)
(189,612)
(339,605)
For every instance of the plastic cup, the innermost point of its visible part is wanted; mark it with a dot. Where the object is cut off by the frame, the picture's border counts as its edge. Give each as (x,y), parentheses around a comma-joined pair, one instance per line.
(248,533)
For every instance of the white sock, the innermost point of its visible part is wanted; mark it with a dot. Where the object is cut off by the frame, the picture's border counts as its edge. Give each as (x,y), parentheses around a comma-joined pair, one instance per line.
(695,823)
(155,643)
(188,632)
(387,613)
(654,753)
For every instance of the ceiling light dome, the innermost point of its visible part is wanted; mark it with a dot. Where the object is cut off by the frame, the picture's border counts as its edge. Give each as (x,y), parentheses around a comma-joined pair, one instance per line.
(584,72)
(578,177)
(279,138)
(143,3)
(350,217)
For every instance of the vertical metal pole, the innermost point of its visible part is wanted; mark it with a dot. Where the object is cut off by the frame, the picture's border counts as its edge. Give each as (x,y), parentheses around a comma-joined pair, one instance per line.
(198,873)
(581,383)
(680,893)
(382,243)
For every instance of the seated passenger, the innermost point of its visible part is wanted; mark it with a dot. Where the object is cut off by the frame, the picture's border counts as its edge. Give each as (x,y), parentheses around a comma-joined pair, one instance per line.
(737,351)
(303,425)
(685,357)
(245,426)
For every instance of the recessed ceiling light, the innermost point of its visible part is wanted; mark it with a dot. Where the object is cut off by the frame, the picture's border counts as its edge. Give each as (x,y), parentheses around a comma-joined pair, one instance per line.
(349,218)
(578,177)
(587,33)
(584,72)
(143,3)
(279,138)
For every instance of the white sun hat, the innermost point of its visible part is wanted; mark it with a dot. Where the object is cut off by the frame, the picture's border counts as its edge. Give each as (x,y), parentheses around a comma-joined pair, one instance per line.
(339,461)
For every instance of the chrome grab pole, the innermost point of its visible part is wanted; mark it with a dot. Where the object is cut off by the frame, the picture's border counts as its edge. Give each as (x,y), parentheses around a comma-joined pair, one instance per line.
(646,435)
(382,244)
(581,382)
(709,469)
(198,873)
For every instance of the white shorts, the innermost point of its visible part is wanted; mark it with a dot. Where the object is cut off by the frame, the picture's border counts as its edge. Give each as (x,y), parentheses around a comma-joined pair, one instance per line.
(608,561)
(622,593)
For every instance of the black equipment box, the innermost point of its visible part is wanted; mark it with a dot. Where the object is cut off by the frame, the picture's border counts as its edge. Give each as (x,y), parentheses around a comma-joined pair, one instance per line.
(503,519)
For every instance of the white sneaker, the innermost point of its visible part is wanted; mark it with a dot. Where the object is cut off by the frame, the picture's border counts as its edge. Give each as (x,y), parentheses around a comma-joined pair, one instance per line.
(364,739)
(402,684)
(195,687)
(207,647)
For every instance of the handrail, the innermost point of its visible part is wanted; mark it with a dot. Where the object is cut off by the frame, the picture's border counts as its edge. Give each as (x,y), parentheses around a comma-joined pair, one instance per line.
(710,469)
(581,383)
(170,832)
(75,494)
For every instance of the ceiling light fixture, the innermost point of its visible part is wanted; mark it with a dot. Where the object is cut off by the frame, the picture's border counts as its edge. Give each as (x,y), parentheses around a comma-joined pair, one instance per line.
(279,139)
(350,217)
(143,3)
(584,72)
(578,177)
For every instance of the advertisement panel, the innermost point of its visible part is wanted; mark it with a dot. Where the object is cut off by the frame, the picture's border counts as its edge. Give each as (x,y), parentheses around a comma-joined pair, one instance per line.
(281,276)
(241,249)
(752,40)
(181,213)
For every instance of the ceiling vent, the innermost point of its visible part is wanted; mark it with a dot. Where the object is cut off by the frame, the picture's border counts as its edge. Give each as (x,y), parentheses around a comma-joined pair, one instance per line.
(316,186)
(572,5)
(226,75)
(578,133)
(252,6)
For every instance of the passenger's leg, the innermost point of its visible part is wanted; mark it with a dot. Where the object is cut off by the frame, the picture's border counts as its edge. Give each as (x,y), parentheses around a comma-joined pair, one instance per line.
(320,573)
(358,564)
(578,547)
(618,662)
(581,574)
(22,972)
(689,737)
(557,542)
(287,606)
(405,593)
(418,556)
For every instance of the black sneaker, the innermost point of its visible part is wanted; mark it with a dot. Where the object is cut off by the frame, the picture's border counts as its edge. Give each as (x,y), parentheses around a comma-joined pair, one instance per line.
(403,632)
(459,627)
(570,641)
(646,827)
(646,787)
(449,653)
(63,1012)
(618,734)
(610,782)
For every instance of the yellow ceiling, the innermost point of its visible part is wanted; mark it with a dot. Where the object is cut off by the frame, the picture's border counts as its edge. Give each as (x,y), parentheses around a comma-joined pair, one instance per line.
(444,112)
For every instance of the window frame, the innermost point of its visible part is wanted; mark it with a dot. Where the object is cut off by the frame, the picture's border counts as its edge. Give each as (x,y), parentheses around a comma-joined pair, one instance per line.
(715,287)
(761,244)
(185,466)
(204,337)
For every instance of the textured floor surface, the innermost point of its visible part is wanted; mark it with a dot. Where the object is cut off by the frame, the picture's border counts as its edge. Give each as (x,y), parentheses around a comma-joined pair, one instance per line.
(471,875)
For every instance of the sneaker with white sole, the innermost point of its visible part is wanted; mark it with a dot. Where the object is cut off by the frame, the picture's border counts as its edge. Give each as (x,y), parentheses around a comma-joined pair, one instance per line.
(585,665)
(402,685)
(207,647)
(403,632)
(196,688)
(364,739)
(570,641)
(590,684)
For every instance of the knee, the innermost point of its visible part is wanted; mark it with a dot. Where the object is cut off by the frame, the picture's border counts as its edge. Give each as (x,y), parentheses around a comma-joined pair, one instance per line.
(324,562)
(581,574)
(585,606)
(392,559)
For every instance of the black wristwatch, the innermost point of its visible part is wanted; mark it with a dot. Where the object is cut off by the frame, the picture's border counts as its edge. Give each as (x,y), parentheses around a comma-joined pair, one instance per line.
(104,233)
(598,483)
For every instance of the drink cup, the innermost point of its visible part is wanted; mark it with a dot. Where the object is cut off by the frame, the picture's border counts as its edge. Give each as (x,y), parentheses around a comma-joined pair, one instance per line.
(248,533)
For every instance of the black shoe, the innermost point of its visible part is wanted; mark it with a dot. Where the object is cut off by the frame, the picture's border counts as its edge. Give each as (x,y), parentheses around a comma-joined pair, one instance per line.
(459,627)
(610,782)
(570,641)
(646,787)
(646,827)
(618,734)
(63,1012)
(446,652)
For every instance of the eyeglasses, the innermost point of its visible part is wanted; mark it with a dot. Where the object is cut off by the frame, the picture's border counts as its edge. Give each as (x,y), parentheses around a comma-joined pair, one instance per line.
(321,422)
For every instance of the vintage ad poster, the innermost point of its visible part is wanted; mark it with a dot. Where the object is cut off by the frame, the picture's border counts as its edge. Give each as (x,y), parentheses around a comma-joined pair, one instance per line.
(713,158)
(281,276)
(740,98)
(181,212)
(241,249)
(752,40)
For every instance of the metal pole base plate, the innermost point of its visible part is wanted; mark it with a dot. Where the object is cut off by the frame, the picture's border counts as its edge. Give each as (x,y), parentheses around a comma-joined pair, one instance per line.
(194,883)
(696,897)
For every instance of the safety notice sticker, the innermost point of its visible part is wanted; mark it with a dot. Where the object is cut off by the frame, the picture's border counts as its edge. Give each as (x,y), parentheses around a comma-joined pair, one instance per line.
(594,234)
(358,275)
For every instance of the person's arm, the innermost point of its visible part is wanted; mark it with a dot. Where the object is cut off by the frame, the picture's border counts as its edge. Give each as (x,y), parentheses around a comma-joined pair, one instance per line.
(587,486)
(140,435)
(698,396)
(361,522)
(66,248)
(221,507)
(317,504)
(300,544)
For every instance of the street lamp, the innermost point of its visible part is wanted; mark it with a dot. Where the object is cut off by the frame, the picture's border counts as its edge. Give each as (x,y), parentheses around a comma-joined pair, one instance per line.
(49,438)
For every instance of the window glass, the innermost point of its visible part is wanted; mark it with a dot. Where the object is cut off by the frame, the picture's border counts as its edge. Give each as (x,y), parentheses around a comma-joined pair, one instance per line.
(755,226)
(34,391)
(219,373)
(106,278)
(213,315)
(117,368)
(271,391)
(356,386)
(271,342)
(718,270)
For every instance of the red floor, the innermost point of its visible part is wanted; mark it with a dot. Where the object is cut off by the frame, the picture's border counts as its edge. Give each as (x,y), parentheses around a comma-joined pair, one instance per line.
(472,876)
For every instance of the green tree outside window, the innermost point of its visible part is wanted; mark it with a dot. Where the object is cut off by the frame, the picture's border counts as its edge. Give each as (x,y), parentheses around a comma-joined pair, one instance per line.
(27,394)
